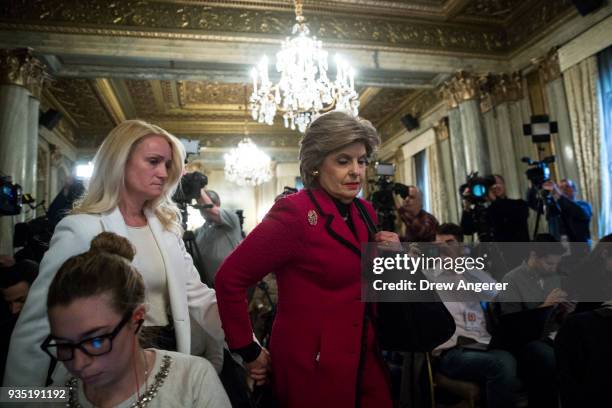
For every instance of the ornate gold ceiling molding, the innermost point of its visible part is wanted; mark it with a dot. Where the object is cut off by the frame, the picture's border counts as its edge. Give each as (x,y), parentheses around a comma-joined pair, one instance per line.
(263,140)
(80,99)
(219,127)
(536,22)
(52,101)
(463,86)
(496,89)
(206,95)
(421,104)
(385,104)
(392,8)
(170,20)
(366,95)
(19,67)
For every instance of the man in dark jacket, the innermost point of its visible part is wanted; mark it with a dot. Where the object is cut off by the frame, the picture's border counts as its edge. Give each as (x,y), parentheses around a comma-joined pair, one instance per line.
(505,218)
(565,215)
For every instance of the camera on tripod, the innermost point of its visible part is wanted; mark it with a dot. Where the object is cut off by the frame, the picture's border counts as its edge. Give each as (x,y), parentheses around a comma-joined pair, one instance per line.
(383,198)
(476,188)
(539,173)
(10,197)
(189,188)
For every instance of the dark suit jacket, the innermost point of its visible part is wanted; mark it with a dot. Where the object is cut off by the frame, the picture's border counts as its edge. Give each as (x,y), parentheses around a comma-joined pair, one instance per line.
(584,355)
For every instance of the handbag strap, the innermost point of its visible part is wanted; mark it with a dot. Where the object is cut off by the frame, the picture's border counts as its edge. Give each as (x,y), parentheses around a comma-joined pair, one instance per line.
(372,230)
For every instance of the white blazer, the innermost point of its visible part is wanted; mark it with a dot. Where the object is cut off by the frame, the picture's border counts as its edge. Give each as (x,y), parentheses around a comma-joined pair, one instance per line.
(191,301)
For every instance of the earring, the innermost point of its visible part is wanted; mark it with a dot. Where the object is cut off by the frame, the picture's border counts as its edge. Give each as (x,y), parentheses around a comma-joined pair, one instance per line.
(315,173)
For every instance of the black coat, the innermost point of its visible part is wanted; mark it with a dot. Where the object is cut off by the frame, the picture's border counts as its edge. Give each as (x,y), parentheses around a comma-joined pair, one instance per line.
(584,355)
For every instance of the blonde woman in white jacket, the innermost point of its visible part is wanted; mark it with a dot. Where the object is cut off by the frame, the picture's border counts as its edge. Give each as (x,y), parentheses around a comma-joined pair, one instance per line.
(136,171)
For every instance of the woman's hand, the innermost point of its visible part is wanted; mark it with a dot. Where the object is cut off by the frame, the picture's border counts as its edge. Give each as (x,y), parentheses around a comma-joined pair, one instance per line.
(258,369)
(388,240)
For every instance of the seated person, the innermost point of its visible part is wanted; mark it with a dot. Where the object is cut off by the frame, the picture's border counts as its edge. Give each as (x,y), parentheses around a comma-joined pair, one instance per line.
(583,352)
(96,308)
(582,346)
(494,370)
(534,284)
(16,277)
(590,280)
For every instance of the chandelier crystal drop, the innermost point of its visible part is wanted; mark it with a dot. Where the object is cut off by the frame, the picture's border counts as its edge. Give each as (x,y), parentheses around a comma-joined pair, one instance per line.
(304,90)
(247,165)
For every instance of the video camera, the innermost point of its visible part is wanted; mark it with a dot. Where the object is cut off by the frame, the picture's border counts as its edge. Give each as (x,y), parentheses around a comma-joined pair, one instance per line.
(382,199)
(539,173)
(10,197)
(189,187)
(476,189)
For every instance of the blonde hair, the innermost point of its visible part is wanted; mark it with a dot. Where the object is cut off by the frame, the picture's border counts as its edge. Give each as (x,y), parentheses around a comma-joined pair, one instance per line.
(328,133)
(109,173)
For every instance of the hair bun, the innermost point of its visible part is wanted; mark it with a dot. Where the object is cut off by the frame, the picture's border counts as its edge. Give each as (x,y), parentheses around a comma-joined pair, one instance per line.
(113,244)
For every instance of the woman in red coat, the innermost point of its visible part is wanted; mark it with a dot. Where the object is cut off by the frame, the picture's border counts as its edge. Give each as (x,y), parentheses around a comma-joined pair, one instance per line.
(323,351)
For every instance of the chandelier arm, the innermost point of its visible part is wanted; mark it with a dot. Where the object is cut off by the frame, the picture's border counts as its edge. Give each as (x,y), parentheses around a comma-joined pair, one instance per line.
(299,17)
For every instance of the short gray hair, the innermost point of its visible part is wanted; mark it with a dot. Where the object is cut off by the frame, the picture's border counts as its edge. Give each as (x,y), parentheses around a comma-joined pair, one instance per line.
(214,197)
(328,133)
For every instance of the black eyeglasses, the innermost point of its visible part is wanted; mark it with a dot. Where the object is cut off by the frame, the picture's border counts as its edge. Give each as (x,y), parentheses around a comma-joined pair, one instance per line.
(92,346)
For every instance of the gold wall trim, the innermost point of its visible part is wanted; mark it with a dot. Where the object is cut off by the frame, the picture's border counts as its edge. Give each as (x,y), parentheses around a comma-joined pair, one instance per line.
(108,98)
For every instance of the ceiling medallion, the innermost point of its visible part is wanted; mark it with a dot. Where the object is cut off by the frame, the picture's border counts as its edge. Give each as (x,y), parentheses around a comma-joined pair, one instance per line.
(304,90)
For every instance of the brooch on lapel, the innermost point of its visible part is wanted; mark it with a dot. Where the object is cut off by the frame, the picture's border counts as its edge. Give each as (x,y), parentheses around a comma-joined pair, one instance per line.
(312,217)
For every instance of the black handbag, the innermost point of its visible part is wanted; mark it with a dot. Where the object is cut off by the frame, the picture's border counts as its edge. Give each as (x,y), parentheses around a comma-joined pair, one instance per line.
(410,326)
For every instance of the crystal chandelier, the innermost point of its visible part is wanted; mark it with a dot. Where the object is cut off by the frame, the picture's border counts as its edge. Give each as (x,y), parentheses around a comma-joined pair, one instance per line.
(304,89)
(247,165)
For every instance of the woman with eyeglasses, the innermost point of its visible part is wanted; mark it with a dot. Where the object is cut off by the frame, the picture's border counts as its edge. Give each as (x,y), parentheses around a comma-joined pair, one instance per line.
(136,170)
(96,307)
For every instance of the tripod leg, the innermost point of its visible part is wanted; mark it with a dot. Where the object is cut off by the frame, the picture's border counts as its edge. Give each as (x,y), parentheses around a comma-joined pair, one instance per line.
(540,207)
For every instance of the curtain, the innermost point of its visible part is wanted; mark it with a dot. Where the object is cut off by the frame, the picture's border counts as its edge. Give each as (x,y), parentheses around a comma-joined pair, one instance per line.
(437,193)
(605,96)
(581,83)
(421,176)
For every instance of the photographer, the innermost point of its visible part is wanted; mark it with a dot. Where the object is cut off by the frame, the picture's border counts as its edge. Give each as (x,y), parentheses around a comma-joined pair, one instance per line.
(565,215)
(219,235)
(496,218)
(64,201)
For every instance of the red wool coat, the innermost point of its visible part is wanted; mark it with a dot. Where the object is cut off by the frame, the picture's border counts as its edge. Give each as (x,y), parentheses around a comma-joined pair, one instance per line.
(316,341)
